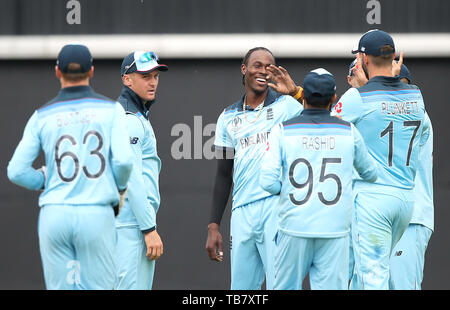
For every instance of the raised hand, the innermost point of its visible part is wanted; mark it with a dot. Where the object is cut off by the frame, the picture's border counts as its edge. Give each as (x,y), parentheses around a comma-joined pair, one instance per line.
(358,71)
(283,82)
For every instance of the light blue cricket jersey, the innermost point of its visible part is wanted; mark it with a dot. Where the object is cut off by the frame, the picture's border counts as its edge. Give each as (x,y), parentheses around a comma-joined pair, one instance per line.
(423,191)
(249,140)
(87,152)
(310,159)
(389,114)
(143,198)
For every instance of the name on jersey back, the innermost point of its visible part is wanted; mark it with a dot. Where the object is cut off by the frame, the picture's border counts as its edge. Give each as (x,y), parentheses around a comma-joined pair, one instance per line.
(74,118)
(396,108)
(317,143)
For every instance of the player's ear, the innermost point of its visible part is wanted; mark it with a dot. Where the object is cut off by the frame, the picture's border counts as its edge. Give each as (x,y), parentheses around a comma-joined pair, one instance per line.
(91,72)
(333,99)
(243,69)
(126,79)
(57,72)
(365,59)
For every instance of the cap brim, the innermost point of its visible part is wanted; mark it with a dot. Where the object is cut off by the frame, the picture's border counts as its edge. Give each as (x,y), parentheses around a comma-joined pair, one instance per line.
(160,67)
(355,51)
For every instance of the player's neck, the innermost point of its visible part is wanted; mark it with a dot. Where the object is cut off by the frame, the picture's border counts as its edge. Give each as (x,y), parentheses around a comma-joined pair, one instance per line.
(65,84)
(376,71)
(253,99)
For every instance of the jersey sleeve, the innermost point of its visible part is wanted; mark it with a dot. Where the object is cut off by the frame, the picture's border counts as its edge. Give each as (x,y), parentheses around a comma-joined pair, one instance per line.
(270,173)
(363,162)
(137,192)
(150,173)
(293,107)
(121,153)
(426,129)
(349,107)
(222,138)
(20,170)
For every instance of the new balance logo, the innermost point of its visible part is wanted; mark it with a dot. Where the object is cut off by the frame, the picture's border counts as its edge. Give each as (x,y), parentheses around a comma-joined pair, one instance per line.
(269,114)
(398,253)
(134,140)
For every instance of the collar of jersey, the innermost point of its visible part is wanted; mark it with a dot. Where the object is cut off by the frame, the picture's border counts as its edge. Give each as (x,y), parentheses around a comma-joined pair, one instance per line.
(385,79)
(271,97)
(74,92)
(315,111)
(136,101)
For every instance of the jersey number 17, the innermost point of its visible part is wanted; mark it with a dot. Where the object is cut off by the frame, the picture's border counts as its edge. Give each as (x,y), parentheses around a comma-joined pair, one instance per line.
(390,130)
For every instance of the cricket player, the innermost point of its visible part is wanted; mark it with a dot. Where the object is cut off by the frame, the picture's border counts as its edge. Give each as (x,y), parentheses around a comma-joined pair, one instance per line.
(242,130)
(309,163)
(139,243)
(390,116)
(408,257)
(88,161)
(357,78)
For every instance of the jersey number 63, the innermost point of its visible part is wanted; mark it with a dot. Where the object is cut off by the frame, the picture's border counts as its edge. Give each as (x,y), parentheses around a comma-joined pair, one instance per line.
(95,152)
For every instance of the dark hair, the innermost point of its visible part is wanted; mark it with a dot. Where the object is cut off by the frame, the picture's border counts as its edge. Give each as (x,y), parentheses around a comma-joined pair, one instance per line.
(318,101)
(249,53)
(384,60)
(75,77)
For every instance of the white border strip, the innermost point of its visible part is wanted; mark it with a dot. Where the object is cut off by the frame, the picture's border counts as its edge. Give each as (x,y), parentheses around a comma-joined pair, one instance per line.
(218,45)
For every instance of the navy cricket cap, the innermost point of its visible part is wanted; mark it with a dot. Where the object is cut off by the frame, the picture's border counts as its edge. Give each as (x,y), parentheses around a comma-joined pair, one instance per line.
(74,53)
(319,83)
(352,65)
(404,73)
(372,42)
(141,62)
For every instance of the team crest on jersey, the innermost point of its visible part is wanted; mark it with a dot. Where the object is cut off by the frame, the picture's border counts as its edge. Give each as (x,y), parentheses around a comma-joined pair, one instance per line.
(236,123)
(338,107)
